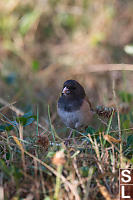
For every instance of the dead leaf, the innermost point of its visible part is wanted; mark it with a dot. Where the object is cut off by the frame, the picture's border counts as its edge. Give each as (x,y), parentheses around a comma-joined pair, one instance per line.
(111,139)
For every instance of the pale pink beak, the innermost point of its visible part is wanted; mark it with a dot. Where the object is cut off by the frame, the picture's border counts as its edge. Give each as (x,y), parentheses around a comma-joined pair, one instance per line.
(65,91)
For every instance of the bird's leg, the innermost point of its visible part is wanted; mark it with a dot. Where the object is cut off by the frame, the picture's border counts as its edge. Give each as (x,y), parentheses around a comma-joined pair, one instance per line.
(67,140)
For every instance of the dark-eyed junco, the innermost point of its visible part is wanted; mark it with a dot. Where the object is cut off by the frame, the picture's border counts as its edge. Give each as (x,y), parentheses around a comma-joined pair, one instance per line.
(73,106)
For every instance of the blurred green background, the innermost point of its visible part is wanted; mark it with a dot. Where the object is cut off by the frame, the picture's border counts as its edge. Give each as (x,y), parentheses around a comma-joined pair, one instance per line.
(45,42)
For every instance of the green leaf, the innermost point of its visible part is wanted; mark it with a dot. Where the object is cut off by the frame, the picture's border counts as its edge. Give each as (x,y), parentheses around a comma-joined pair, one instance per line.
(131,160)
(28,20)
(130,141)
(50,154)
(84,171)
(28,114)
(90,130)
(2,128)
(6,127)
(30,120)
(126,124)
(8,155)
(67,21)
(47,198)
(35,65)
(125,96)
(11,171)
(16,173)
(26,119)
(4,168)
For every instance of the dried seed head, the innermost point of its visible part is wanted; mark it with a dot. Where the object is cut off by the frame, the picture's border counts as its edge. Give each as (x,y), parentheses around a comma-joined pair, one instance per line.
(59,158)
(43,141)
(103,111)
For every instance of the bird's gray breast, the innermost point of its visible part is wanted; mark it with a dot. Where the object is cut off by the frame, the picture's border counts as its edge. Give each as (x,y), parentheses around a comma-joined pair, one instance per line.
(70,119)
(77,118)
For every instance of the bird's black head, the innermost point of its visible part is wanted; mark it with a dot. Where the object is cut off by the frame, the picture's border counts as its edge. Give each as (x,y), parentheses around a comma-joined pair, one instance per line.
(72,89)
(72,96)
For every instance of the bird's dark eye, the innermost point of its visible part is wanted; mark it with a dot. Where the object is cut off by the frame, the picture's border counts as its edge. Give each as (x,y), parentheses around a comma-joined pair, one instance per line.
(71,87)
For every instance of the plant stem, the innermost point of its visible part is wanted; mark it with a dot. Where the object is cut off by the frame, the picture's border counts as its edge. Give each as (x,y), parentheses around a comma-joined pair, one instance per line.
(58,182)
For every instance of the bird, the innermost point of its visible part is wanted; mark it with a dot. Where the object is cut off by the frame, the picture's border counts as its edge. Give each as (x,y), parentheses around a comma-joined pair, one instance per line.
(73,107)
